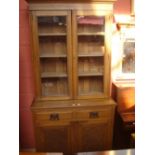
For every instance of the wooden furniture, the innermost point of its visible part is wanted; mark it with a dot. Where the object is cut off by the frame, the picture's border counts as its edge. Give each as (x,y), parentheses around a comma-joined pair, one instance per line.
(112,152)
(71,46)
(38,153)
(132,140)
(123,127)
(123,94)
(116,152)
(128,120)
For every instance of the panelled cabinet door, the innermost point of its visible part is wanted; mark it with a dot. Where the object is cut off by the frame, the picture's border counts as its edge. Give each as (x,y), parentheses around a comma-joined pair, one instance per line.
(54,139)
(93,136)
(52,55)
(90,30)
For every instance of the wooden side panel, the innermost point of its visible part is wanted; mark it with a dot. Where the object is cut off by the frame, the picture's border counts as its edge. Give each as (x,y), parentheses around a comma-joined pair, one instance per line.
(35,53)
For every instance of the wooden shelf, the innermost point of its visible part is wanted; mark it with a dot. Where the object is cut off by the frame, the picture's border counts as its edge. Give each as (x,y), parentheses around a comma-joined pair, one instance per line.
(90,34)
(91,93)
(53,75)
(53,56)
(90,74)
(52,34)
(91,55)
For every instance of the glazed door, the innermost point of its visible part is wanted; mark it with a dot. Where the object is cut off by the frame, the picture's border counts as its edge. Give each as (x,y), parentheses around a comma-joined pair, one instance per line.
(91,67)
(53,56)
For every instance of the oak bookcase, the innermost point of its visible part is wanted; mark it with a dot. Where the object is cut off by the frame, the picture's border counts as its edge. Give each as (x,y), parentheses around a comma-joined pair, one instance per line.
(71,51)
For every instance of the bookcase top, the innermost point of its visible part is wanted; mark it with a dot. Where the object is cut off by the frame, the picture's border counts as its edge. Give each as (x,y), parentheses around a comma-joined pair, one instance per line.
(65,1)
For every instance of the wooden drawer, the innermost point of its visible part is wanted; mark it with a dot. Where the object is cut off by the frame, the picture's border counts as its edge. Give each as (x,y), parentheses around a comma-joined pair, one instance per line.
(53,116)
(95,114)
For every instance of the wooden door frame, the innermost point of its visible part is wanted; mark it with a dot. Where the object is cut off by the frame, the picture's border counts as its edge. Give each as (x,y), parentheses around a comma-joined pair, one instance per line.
(35,55)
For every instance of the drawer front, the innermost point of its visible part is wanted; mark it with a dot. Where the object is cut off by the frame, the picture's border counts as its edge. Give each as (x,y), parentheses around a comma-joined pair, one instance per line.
(53,117)
(95,114)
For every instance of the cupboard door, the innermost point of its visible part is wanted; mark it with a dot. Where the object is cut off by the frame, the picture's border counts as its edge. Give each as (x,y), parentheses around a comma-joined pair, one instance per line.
(54,139)
(90,54)
(93,136)
(52,55)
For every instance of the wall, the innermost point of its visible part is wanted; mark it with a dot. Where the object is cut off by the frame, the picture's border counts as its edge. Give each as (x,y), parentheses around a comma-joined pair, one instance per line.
(26,89)
(122,7)
(26,85)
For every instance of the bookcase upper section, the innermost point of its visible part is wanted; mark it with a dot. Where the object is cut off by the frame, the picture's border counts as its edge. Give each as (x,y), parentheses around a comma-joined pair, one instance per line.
(71,45)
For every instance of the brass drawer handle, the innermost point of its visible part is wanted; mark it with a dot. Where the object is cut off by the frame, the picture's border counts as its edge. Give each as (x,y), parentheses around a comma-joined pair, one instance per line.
(54,117)
(94,114)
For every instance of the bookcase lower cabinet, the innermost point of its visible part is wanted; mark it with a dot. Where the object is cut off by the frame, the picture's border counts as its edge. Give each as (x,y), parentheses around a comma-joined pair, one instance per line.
(73,127)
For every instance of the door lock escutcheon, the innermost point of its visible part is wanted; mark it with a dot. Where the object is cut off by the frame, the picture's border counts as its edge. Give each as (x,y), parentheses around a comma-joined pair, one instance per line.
(93,114)
(54,117)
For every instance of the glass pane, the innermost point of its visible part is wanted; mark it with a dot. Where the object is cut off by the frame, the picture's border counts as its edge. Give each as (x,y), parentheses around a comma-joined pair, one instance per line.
(52,24)
(54,87)
(53,55)
(128,63)
(52,46)
(90,85)
(90,33)
(90,24)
